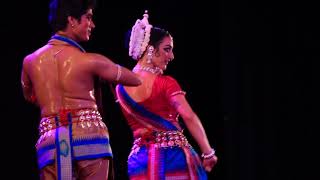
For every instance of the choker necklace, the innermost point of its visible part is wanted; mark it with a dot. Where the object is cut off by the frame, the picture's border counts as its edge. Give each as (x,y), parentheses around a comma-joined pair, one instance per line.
(153,70)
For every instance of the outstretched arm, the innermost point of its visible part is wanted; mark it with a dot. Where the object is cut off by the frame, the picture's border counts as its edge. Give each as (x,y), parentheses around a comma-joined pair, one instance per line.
(112,72)
(196,129)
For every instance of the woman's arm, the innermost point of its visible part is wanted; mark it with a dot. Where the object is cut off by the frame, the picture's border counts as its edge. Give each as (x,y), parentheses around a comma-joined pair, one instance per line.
(195,128)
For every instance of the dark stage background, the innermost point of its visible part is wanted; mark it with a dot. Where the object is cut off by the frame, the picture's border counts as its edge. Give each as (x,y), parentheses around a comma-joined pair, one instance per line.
(248,68)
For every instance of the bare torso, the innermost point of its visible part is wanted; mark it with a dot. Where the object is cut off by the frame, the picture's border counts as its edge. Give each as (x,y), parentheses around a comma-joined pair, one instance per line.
(61,78)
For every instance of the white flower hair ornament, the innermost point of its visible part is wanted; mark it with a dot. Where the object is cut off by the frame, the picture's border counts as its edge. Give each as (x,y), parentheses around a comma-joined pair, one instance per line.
(140,37)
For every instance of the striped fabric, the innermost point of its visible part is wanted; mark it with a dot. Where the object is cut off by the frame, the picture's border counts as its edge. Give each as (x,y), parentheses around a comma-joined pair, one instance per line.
(159,163)
(62,145)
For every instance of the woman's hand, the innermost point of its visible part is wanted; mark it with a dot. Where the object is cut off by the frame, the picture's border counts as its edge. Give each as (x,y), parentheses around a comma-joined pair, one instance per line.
(209,163)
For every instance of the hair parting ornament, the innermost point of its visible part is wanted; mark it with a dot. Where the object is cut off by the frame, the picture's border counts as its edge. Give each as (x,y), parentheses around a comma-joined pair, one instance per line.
(140,37)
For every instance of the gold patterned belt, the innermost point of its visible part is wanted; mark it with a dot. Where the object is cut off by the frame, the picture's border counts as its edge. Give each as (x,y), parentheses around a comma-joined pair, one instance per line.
(163,139)
(85,117)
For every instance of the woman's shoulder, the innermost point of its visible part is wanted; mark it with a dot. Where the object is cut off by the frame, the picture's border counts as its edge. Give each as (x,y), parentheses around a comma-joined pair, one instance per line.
(166,81)
(167,78)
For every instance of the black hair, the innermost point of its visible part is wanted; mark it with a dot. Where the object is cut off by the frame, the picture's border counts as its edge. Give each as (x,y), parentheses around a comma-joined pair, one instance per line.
(59,10)
(156,36)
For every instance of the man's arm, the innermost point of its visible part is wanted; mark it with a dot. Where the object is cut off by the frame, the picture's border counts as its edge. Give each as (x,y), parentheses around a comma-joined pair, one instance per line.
(108,70)
(26,84)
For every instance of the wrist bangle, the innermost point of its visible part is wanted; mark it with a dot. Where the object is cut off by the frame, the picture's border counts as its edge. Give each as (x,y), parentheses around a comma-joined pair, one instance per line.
(210,155)
(118,72)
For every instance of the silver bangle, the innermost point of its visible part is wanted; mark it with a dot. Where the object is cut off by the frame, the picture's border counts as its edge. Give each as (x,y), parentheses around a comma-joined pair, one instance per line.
(210,155)
(119,72)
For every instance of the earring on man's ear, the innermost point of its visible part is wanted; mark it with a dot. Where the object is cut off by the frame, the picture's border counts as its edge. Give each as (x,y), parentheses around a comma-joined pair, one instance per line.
(149,55)
(72,25)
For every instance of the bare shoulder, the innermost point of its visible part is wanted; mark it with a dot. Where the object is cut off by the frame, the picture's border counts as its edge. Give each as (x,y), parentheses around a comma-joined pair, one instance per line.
(27,59)
(33,56)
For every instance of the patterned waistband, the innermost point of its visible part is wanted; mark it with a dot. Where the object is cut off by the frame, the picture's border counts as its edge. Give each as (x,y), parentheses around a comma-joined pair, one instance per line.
(163,139)
(84,117)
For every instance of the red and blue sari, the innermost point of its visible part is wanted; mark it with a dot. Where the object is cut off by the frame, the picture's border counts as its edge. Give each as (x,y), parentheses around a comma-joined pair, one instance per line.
(159,158)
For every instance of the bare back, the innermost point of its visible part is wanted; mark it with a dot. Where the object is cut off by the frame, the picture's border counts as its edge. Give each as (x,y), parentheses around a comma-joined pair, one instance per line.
(142,92)
(61,78)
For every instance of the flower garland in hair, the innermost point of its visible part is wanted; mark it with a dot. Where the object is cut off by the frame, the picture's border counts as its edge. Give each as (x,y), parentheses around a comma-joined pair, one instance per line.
(140,37)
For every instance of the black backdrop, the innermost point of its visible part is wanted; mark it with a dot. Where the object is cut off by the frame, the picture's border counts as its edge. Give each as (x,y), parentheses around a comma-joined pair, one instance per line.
(248,68)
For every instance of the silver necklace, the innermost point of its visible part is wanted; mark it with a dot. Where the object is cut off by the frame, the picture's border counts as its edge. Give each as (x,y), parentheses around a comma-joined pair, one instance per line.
(153,70)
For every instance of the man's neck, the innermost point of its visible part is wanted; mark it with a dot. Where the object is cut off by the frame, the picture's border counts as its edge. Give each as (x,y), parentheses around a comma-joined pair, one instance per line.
(67,40)
(67,35)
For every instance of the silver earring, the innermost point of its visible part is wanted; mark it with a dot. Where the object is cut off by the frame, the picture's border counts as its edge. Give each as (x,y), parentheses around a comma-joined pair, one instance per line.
(149,55)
